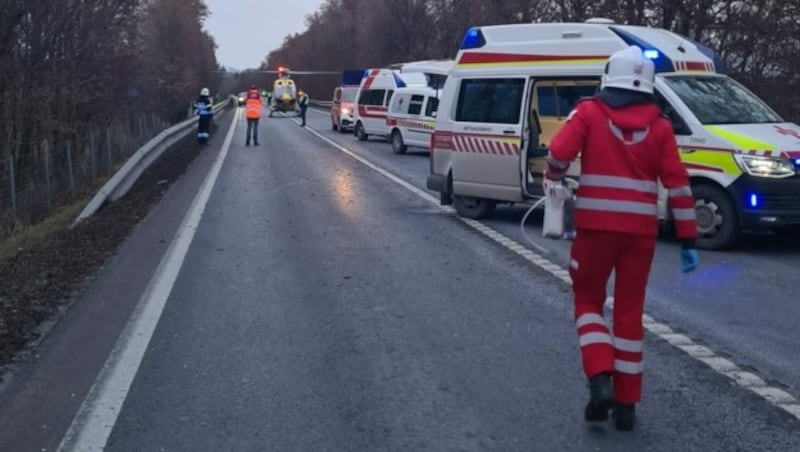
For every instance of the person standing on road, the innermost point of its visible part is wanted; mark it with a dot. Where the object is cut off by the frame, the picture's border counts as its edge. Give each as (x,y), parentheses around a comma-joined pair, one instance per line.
(253,112)
(302,99)
(203,109)
(626,147)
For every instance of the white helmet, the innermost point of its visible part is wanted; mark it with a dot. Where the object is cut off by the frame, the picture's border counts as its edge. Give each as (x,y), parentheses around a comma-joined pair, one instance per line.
(630,69)
(204,92)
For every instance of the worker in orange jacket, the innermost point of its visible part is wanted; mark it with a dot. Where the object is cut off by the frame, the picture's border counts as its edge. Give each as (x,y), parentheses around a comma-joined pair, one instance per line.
(626,147)
(252,107)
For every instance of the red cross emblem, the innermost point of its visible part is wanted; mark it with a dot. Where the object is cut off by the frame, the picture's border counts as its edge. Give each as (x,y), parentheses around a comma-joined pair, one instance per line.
(790,132)
(400,102)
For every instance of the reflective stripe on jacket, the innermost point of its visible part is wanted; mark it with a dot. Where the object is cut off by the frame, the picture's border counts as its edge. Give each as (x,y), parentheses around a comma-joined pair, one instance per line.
(624,152)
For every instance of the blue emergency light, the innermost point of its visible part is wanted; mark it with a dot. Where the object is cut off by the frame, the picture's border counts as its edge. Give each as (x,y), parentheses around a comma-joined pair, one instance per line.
(651,54)
(473,39)
(797,162)
(754,200)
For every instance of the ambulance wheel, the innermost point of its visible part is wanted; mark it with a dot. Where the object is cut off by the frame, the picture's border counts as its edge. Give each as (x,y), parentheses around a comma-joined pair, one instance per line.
(360,133)
(397,143)
(717,224)
(473,208)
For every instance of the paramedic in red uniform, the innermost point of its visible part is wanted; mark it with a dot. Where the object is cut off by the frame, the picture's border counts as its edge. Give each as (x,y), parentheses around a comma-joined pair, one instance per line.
(626,146)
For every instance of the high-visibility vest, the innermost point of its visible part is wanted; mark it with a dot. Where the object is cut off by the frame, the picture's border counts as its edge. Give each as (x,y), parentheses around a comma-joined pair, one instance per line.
(253,105)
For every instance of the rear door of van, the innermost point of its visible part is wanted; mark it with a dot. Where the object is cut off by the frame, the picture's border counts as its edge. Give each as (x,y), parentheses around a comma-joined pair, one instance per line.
(414,131)
(371,109)
(487,127)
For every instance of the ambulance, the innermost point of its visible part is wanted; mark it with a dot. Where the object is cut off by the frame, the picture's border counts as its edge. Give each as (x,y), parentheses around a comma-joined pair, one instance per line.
(513,86)
(372,100)
(412,117)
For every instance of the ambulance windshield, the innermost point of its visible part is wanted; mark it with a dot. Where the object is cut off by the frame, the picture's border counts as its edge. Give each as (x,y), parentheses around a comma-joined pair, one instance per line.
(720,100)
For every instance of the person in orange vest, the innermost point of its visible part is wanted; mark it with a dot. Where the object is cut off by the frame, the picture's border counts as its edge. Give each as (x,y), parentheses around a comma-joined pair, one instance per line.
(252,107)
(626,147)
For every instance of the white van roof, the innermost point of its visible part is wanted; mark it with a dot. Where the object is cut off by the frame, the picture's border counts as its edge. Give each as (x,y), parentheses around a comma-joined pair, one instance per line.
(438,67)
(424,90)
(391,79)
(581,48)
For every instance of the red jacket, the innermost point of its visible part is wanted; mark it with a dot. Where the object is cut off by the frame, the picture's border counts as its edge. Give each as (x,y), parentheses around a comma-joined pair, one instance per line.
(624,152)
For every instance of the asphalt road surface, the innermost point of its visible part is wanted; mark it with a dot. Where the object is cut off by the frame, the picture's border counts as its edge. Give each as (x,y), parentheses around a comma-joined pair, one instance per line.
(310,302)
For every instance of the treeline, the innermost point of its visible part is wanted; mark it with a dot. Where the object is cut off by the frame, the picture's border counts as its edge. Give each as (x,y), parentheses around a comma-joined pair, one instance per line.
(70,65)
(69,68)
(758,40)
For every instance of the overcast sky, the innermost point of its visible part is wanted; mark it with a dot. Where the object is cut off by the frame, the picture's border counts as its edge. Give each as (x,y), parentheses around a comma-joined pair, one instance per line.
(247,30)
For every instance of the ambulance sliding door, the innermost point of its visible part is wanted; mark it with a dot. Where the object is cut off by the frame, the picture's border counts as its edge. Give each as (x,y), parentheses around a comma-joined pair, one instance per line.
(487,129)
(553,100)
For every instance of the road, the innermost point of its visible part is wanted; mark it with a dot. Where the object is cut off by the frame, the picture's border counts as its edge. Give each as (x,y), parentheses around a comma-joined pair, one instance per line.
(312,302)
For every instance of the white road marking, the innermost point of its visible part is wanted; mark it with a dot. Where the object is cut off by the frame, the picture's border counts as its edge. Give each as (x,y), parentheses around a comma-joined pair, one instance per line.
(740,377)
(95,420)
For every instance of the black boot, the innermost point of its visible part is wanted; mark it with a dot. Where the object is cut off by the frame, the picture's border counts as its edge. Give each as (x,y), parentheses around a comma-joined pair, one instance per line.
(602,398)
(624,416)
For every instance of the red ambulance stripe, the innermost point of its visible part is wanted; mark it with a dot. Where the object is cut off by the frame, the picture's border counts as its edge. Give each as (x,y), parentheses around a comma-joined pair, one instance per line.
(695,66)
(371,78)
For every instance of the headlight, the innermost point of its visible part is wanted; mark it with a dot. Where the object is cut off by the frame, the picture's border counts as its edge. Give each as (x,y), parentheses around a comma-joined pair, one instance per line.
(765,166)
(345,111)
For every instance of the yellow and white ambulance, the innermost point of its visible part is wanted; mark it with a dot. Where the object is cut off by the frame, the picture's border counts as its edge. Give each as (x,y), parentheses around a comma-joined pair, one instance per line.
(512,87)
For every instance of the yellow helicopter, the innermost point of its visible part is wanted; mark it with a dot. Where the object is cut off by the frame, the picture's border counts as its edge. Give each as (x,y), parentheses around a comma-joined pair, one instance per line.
(284,94)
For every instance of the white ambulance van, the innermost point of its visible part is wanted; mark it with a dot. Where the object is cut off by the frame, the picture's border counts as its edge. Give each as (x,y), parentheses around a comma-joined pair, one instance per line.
(513,86)
(412,117)
(372,99)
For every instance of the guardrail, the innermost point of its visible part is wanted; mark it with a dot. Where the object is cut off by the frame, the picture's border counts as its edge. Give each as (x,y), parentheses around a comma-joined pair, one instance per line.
(320,103)
(121,182)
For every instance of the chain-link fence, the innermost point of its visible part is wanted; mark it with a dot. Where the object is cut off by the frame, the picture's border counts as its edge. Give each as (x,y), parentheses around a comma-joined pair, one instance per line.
(34,185)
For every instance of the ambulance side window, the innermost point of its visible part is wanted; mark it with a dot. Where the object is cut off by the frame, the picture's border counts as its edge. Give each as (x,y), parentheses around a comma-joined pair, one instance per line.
(679,126)
(433,105)
(388,98)
(496,100)
(415,107)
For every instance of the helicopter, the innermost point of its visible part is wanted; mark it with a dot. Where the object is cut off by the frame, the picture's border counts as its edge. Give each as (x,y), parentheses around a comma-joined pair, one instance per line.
(284,94)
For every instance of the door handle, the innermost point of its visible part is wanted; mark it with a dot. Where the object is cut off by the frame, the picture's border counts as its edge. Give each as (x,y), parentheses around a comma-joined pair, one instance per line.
(509,132)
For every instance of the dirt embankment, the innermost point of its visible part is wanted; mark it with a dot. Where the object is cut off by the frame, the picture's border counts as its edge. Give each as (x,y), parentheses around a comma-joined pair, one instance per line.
(52,266)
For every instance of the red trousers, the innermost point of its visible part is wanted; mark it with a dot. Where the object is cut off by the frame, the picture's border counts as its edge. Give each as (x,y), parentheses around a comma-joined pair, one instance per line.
(594,255)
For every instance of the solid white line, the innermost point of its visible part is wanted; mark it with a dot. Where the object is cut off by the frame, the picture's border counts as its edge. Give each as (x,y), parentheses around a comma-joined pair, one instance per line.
(96,418)
(742,378)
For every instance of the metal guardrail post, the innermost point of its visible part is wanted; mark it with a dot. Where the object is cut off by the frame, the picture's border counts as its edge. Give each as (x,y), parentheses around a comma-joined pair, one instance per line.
(11,177)
(69,168)
(47,177)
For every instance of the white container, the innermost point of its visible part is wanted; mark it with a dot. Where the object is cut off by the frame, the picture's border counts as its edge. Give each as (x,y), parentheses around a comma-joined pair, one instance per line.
(553,226)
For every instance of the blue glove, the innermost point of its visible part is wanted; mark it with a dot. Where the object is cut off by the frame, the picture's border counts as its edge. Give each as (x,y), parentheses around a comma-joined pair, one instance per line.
(689,260)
